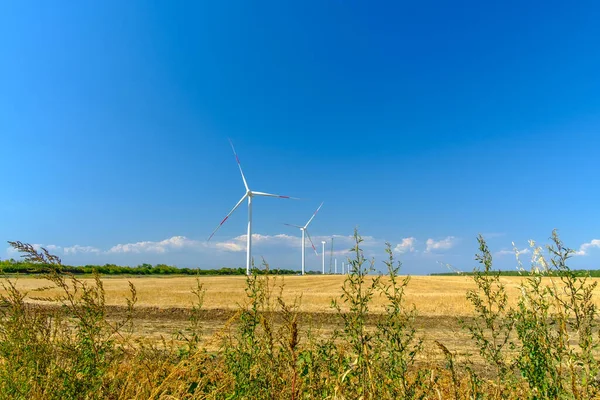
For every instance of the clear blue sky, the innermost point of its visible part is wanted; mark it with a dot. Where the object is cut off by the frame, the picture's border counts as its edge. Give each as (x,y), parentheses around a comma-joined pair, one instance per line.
(423,123)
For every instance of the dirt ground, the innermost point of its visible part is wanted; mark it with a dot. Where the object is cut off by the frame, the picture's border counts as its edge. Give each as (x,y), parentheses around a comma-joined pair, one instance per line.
(164,304)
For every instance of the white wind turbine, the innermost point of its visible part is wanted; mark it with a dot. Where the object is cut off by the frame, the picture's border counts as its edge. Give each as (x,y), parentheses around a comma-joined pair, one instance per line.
(323,243)
(248,195)
(305,233)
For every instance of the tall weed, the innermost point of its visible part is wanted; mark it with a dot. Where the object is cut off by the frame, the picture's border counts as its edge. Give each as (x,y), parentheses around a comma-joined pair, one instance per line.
(492,326)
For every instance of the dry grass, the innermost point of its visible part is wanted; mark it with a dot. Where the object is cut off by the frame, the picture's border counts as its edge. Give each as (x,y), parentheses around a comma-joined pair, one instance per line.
(163,301)
(433,296)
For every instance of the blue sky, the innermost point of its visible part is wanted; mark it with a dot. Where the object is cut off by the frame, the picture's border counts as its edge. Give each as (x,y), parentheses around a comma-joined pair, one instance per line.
(422,123)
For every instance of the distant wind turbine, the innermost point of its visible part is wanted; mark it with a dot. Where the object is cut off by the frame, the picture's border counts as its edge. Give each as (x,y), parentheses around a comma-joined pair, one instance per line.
(305,233)
(248,195)
(323,243)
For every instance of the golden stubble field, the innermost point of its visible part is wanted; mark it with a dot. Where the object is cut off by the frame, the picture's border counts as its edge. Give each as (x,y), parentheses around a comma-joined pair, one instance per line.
(163,302)
(432,295)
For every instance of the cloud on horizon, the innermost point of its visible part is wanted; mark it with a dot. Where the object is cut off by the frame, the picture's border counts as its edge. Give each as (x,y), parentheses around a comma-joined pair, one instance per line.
(406,246)
(280,248)
(504,252)
(163,246)
(179,243)
(584,248)
(444,244)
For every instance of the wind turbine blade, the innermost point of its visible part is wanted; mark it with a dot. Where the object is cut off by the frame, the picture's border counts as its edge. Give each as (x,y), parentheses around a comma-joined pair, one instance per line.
(225,219)
(274,195)
(311,242)
(295,226)
(313,216)
(239,165)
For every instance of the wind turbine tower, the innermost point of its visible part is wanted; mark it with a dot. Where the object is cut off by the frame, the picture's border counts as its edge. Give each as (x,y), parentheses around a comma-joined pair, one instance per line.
(248,195)
(304,234)
(323,254)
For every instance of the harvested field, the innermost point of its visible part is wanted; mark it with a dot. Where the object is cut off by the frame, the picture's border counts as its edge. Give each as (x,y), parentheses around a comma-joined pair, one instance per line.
(164,303)
(432,295)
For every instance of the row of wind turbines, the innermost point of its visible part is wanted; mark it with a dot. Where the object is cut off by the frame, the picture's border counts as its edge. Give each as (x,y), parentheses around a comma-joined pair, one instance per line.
(250,194)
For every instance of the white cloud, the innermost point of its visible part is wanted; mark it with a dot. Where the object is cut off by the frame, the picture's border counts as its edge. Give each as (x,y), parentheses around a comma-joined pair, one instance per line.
(173,243)
(55,249)
(238,243)
(36,247)
(77,249)
(280,239)
(348,242)
(444,244)
(584,248)
(407,245)
(230,246)
(341,244)
(181,245)
(512,252)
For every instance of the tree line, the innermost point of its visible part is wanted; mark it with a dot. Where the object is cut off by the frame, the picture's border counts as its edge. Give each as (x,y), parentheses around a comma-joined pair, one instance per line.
(594,273)
(12,266)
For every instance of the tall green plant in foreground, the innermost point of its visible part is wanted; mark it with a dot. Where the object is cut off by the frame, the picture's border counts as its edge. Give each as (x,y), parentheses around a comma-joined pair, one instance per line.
(262,353)
(357,294)
(396,341)
(25,346)
(65,354)
(249,353)
(493,323)
(555,322)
